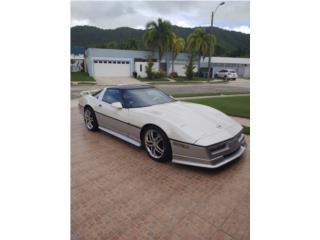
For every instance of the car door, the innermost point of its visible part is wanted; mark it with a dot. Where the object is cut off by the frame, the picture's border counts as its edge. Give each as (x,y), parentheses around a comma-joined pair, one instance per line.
(220,73)
(110,117)
(224,73)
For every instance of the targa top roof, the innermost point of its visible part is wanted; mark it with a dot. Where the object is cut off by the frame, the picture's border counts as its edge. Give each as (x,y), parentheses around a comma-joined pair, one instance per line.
(130,86)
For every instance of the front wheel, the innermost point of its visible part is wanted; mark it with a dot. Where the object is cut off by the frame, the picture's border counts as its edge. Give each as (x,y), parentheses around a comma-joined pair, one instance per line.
(157,144)
(90,119)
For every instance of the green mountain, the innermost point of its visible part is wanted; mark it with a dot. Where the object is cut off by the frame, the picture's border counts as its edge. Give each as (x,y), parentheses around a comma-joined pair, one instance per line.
(229,43)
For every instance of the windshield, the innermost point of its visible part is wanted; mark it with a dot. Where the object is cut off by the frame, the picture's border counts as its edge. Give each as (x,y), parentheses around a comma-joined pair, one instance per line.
(143,97)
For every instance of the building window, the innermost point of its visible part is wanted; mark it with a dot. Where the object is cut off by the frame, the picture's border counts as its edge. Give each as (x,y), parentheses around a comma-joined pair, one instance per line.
(109,62)
(95,61)
(105,61)
(140,67)
(118,62)
(127,62)
(100,61)
(123,62)
(114,62)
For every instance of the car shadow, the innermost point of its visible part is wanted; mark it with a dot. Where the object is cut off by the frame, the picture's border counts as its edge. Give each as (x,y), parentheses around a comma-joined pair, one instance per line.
(201,170)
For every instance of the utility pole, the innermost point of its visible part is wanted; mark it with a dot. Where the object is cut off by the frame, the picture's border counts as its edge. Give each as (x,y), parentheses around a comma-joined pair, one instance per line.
(210,34)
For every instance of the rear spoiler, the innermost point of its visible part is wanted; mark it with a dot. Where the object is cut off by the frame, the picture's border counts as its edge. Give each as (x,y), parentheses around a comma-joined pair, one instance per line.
(90,92)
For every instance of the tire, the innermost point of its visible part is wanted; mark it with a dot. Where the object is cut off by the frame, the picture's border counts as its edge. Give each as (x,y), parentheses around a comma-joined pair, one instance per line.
(153,146)
(90,119)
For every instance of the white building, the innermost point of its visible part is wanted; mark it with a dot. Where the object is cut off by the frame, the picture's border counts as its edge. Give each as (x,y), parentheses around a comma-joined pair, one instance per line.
(77,59)
(240,65)
(123,63)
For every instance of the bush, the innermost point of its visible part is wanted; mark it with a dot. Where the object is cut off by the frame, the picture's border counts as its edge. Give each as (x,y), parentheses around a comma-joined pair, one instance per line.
(189,68)
(134,74)
(149,66)
(160,74)
(174,75)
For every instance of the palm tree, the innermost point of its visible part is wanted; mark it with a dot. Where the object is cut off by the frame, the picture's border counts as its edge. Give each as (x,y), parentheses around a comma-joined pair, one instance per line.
(158,36)
(177,46)
(198,41)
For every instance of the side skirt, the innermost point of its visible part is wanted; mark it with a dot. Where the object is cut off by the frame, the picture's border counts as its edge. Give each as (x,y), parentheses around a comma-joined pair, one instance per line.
(123,137)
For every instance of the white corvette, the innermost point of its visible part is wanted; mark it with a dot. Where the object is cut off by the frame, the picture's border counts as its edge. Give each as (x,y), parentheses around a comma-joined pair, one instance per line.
(185,133)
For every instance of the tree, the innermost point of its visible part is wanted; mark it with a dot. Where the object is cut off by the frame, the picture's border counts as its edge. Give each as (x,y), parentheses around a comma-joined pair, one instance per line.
(198,41)
(130,44)
(177,46)
(220,51)
(189,67)
(158,36)
(112,45)
(149,67)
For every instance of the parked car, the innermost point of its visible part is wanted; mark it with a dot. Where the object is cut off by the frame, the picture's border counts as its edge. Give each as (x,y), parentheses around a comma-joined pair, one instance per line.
(186,133)
(226,74)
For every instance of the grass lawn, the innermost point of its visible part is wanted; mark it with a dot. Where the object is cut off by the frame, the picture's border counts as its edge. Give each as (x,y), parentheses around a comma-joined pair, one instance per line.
(205,94)
(153,80)
(185,82)
(193,79)
(81,77)
(198,79)
(235,106)
(246,130)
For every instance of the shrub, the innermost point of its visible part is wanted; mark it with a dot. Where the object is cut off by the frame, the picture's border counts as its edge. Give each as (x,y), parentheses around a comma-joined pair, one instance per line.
(134,74)
(160,74)
(148,67)
(189,67)
(174,75)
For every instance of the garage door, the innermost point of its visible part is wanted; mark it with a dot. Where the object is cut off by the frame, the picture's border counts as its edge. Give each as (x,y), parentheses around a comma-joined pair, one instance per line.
(111,68)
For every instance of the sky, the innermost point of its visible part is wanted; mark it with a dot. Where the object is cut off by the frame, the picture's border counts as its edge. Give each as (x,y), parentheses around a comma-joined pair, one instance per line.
(233,15)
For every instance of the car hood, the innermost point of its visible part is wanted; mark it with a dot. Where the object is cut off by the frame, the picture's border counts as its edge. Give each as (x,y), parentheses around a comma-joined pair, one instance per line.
(204,125)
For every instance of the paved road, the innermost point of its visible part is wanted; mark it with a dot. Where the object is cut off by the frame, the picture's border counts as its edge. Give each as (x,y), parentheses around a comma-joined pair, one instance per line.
(117,192)
(232,86)
(115,80)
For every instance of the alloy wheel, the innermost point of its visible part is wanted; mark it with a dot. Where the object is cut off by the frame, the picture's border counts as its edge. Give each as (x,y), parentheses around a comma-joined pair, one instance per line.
(88,118)
(154,143)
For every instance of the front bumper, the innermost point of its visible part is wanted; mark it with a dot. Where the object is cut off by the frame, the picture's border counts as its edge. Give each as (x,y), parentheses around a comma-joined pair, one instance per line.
(212,156)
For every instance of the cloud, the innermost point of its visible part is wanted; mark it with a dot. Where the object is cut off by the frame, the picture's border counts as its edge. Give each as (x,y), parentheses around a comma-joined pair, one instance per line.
(112,14)
(79,22)
(243,29)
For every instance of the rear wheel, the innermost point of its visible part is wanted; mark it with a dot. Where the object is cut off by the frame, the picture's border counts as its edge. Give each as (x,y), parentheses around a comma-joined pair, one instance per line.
(90,119)
(157,144)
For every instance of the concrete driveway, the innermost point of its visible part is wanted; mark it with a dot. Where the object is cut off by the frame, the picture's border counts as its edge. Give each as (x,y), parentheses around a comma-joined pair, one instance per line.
(117,192)
(103,81)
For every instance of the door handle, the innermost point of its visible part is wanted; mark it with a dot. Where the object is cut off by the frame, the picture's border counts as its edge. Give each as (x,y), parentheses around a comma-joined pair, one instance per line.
(99,105)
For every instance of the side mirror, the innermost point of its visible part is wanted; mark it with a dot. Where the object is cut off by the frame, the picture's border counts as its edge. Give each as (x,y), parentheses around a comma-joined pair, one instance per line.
(117,105)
